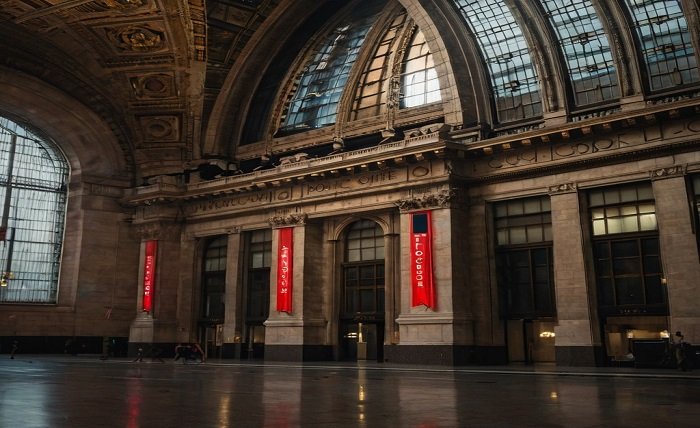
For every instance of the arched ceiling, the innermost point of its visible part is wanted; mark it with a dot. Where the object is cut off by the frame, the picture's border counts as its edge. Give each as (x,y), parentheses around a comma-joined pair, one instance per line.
(150,68)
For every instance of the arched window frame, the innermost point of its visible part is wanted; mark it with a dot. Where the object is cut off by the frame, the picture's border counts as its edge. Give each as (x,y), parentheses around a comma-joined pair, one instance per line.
(34,174)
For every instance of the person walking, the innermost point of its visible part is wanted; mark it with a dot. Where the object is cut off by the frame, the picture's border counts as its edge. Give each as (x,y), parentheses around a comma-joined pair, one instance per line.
(681,352)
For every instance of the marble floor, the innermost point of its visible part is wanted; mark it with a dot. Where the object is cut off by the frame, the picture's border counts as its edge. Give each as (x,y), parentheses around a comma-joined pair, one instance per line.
(83,391)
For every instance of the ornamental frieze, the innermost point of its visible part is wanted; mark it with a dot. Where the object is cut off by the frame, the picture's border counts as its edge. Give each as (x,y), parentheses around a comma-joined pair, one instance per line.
(312,189)
(668,172)
(563,188)
(439,199)
(288,220)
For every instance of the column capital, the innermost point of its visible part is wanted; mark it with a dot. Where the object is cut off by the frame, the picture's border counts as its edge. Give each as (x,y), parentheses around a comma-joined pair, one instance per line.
(292,219)
(562,188)
(667,172)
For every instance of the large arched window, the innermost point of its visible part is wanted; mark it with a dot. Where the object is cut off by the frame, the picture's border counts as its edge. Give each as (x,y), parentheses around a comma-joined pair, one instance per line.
(33,191)
(323,77)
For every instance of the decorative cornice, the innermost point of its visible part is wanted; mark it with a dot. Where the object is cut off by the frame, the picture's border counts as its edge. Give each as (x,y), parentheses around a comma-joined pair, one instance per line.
(288,220)
(563,188)
(440,199)
(668,172)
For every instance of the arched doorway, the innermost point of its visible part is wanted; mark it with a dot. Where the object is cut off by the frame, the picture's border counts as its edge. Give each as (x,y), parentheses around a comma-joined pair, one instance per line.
(361,324)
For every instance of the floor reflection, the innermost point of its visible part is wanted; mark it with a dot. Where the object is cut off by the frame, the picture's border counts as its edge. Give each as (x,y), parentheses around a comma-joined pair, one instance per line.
(60,393)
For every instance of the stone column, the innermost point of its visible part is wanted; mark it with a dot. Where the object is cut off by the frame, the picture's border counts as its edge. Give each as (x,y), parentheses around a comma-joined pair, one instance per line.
(233,303)
(679,251)
(427,335)
(575,343)
(284,332)
(156,331)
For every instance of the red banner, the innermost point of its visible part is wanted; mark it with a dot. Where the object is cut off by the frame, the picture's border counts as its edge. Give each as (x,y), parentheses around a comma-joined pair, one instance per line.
(423,291)
(285,256)
(149,275)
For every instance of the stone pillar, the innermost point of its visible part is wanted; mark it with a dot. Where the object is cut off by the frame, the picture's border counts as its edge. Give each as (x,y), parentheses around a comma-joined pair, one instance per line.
(284,332)
(156,331)
(233,304)
(575,343)
(679,251)
(427,335)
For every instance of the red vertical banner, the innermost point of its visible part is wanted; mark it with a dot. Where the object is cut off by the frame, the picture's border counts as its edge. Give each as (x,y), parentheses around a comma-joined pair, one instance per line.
(422,288)
(149,275)
(285,255)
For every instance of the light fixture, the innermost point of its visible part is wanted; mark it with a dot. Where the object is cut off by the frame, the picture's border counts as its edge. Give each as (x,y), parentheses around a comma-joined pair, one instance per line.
(547,334)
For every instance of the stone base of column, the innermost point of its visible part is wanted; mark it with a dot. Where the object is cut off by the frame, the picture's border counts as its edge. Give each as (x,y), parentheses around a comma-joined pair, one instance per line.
(580,356)
(298,353)
(446,355)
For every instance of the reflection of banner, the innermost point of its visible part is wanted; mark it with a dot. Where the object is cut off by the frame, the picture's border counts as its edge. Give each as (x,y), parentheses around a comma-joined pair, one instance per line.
(422,290)
(284,270)
(149,275)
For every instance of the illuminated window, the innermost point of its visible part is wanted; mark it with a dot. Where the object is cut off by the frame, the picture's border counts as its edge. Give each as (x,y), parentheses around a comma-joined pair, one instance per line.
(665,42)
(586,50)
(323,77)
(419,81)
(503,46)
(622,210)
(372,95)
(33,191)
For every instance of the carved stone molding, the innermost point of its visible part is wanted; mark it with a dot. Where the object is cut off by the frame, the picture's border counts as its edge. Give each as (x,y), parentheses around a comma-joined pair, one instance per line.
(668,172)
(440,199)
(288,220)
(563,188)
(158,230)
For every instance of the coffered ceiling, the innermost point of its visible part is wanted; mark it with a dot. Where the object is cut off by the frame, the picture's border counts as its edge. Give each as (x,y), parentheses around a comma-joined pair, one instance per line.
(152,69)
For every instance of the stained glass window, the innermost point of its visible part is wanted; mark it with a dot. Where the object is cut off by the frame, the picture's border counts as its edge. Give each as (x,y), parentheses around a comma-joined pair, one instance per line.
(33,190)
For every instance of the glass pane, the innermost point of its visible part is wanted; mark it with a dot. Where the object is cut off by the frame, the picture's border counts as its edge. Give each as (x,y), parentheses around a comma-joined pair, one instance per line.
(367,303)
(614,225)
(629,224)
(627,248)
(599,227)
(626,266)
(629,291)
(518,235)
(655,293)
(354,255)
(606,292)
(647,222)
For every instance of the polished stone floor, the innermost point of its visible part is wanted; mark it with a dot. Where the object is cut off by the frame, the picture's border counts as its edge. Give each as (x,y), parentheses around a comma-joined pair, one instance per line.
(76,392)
